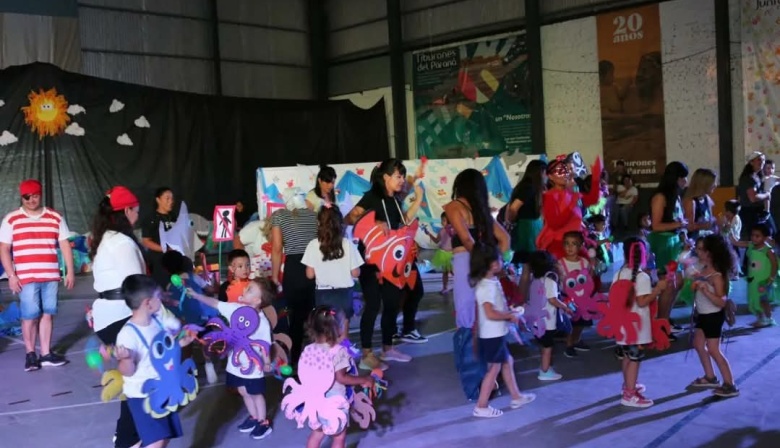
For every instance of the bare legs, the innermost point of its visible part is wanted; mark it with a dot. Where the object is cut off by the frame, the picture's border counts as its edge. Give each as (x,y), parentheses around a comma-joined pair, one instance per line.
(708,351)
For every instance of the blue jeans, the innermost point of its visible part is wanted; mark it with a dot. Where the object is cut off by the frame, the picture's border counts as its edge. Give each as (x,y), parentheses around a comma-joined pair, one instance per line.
(36,296)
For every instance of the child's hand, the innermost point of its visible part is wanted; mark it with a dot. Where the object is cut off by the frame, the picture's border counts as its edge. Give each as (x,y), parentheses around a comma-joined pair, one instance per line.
(186,339)
(122,353)
(368,382)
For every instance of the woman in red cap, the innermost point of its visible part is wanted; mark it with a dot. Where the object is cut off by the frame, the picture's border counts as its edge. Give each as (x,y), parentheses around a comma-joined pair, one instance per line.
(115,254)
(34,233)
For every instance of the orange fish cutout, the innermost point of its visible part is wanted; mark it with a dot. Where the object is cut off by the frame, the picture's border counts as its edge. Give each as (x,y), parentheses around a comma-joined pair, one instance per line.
(392,252)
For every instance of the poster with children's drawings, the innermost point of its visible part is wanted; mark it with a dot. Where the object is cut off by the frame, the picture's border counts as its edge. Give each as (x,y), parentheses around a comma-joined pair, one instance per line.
(224,223)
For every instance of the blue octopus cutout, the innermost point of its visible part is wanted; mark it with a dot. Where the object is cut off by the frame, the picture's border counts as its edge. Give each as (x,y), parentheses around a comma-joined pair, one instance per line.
(236,338)
(177,385)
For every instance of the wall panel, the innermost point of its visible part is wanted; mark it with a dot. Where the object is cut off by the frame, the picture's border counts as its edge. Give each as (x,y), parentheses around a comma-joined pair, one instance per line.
(372,36)
(457,17)
(572,106)
(248,43)
(167,73)
(191,8)
(273,13)
(349,13)
(263,81)
(131,32)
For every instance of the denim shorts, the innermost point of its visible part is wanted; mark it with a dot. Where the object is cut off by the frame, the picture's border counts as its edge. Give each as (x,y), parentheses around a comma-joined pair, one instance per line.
(338,298)
(37,295)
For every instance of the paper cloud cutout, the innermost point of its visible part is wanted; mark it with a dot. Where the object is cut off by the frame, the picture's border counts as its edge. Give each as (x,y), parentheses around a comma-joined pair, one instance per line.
(142,122)
(75,109)
(2,103)
(6,138)
(75,129)
(124,140)
(116,106)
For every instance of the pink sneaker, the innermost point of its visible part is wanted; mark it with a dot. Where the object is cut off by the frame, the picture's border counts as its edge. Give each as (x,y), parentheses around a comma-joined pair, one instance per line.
(635,399)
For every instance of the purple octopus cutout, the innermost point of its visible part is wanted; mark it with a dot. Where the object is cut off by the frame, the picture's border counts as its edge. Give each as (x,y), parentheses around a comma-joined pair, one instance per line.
(237,338)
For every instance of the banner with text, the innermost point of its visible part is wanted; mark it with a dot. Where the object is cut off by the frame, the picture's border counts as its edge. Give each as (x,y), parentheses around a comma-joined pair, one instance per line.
(761,74)
(473,98)
(632,96)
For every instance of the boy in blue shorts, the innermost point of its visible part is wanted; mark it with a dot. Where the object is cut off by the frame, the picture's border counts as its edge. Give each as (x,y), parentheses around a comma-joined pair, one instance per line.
(143,296)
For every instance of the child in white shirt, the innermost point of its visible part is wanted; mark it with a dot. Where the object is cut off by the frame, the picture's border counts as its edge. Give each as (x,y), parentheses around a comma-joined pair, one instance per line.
(333,261)
(494,319)
(142,295)
(634,250)
(258,294)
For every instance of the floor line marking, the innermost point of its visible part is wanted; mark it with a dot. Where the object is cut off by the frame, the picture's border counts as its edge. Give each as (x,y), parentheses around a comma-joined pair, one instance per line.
(674,429)
(74,406)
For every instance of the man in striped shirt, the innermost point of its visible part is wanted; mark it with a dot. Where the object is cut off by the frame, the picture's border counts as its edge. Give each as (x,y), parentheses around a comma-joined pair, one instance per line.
(32,233)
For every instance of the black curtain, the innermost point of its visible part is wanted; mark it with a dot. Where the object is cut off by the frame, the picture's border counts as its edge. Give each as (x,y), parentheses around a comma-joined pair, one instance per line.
(206,148)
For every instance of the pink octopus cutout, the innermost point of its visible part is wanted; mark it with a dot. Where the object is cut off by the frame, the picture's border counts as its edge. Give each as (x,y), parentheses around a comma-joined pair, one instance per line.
(307,400)
(579,286)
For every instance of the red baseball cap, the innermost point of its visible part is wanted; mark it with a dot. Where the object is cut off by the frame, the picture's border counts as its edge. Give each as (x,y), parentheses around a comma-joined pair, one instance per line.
(29,186)
(121,198)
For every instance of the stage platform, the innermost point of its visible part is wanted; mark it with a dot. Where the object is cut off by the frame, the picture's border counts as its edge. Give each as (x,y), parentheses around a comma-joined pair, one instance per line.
(424,406)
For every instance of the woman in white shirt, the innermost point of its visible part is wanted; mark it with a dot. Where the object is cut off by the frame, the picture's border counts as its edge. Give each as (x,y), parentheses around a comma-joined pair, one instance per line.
(115,254)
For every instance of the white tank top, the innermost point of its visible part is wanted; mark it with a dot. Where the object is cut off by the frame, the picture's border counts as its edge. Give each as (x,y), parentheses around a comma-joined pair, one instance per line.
(703,304)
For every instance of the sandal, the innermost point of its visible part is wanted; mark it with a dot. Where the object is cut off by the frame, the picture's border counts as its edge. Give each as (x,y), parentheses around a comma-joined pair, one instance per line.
(705,382)
(488,412)
(523,400)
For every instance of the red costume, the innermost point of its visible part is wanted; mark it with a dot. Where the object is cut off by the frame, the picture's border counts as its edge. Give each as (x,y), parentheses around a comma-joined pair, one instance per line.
(561,211)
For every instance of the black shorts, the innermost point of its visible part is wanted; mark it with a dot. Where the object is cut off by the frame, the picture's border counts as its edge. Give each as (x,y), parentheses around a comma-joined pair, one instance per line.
(493,350)
(711,324)
(254,386)
(548,339)
(581,323)
(634,352)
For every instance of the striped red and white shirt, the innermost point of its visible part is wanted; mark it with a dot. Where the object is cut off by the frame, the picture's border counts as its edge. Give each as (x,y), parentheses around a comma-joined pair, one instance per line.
(34,242)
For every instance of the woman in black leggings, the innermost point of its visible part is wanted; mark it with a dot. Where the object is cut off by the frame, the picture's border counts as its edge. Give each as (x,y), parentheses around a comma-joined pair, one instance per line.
(388,181)
(291,231)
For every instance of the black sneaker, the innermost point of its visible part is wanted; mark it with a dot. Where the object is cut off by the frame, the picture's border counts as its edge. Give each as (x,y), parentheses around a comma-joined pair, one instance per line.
(397,336)
(582,347)
(262,430)
(31,362)
(248,425)
(726,391)
(570,352)
(414,337)
(53,360)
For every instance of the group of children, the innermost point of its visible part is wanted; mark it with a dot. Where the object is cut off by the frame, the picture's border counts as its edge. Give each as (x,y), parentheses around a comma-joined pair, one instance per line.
(332,260)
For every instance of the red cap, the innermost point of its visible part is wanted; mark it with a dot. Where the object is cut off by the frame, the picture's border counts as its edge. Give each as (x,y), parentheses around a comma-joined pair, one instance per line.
(29,186)
(121,198)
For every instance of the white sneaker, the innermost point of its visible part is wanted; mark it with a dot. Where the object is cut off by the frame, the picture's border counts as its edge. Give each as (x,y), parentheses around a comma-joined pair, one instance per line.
(395,355)
(523,400)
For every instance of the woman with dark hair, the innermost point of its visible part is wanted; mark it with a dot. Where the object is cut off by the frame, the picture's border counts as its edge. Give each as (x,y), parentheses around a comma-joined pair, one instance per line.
(150,233)
(473,224)
(524,216)
(291,230)
(324,190)
(388,181)
(667,224)
(471,219)
(752,196)
(115,255)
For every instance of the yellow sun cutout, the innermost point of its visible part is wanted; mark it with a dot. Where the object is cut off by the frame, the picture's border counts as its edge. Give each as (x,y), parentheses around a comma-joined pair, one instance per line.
(47,113)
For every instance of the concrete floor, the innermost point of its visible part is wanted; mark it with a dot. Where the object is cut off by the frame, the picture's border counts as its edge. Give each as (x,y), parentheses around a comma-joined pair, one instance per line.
(424,407)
